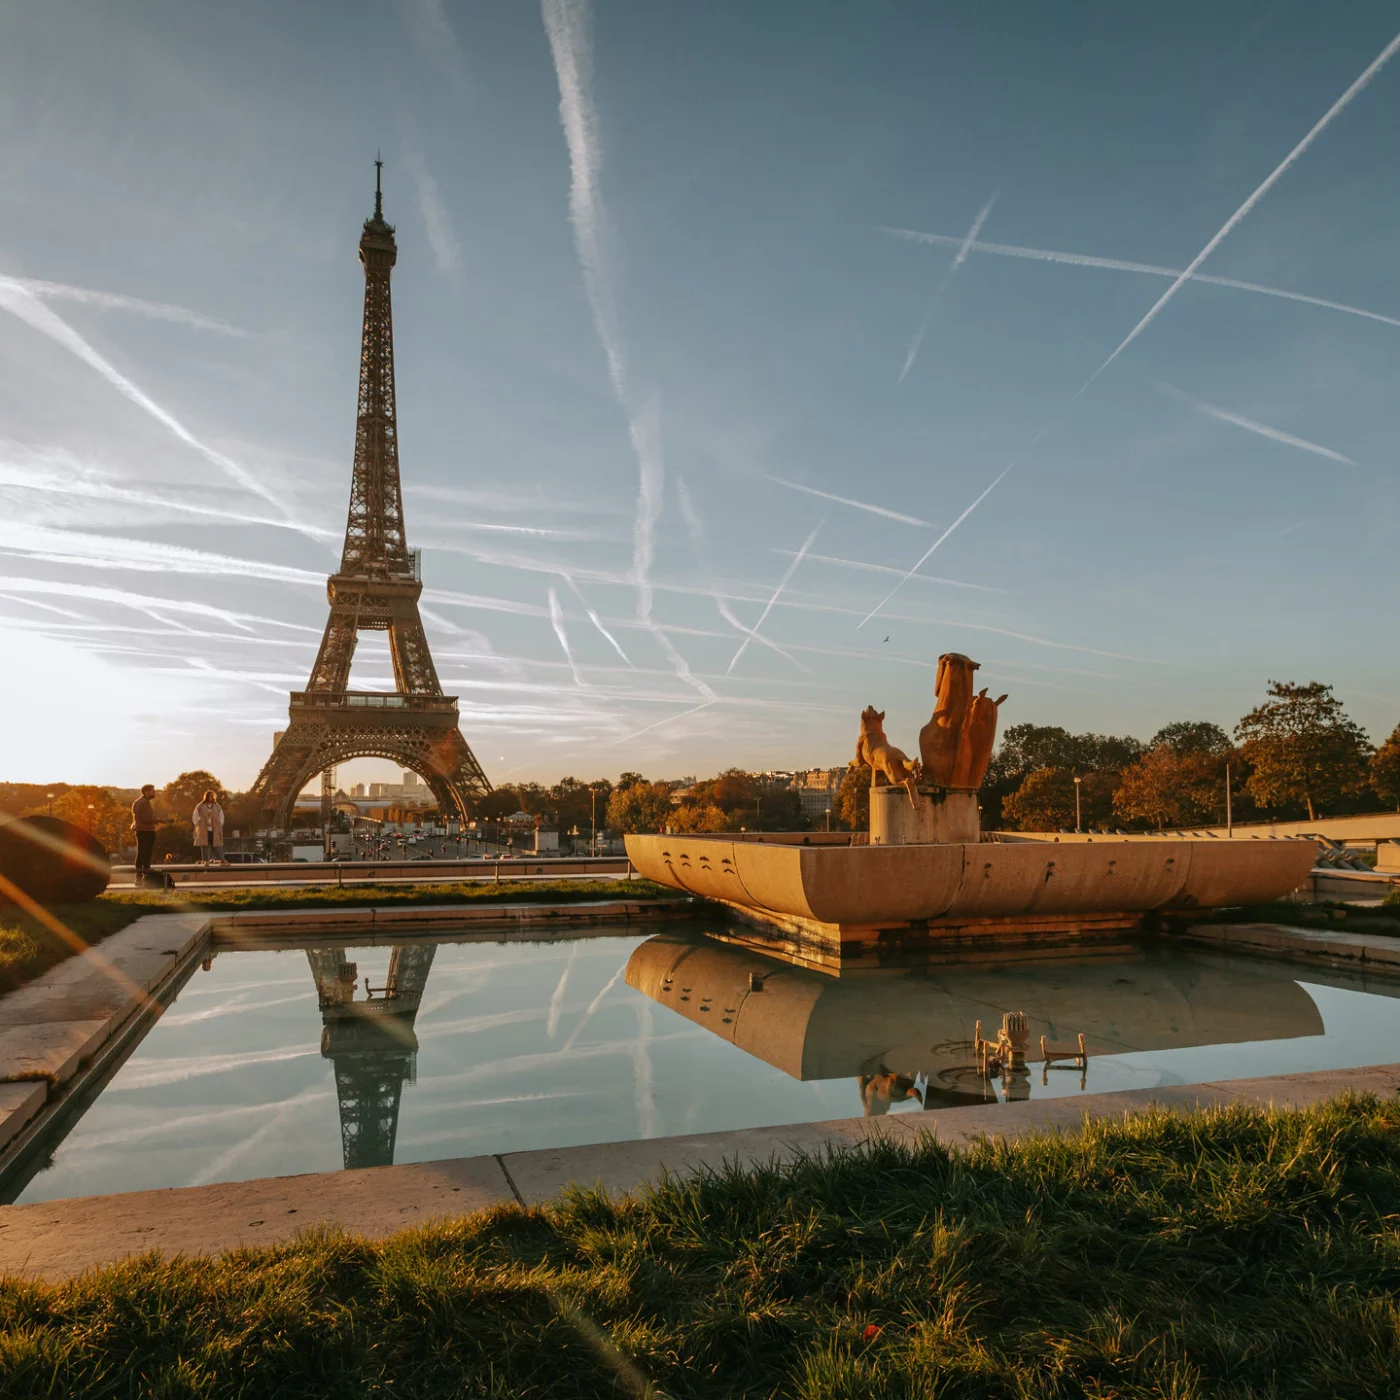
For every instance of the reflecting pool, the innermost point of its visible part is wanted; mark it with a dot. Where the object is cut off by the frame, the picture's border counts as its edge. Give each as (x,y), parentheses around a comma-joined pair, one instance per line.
(278,1061)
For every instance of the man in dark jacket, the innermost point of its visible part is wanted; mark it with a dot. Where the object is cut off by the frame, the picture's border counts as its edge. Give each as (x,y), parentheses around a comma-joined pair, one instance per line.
(143,818)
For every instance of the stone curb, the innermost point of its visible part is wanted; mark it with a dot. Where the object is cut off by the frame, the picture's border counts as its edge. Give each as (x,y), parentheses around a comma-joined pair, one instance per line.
(54,1240)
(1373,951)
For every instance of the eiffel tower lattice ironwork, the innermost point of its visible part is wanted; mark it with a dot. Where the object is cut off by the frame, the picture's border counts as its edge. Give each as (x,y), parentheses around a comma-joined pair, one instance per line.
(377,587)
(371,1043)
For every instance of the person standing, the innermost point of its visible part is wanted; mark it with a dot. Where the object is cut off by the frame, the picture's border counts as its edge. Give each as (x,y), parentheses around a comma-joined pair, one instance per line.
(143,818)
(209,828)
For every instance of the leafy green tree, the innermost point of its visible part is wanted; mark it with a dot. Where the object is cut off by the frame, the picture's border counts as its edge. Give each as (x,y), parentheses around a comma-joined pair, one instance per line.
(639,805)
(1385,769)
(1032,748)
(1303,748)
(1191,736)
(1045,801)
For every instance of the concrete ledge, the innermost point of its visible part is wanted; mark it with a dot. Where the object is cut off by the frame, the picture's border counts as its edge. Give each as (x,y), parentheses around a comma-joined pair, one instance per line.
(1373,951)
(58,1239)
(19,1102)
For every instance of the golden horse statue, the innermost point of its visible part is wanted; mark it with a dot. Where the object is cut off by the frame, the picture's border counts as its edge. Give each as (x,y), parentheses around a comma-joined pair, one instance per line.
(875,749)
(956,744)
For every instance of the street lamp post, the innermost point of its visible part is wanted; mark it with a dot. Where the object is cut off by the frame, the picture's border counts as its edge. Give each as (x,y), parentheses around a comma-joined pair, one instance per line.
(1229,814)
(593,828)
(1078,817)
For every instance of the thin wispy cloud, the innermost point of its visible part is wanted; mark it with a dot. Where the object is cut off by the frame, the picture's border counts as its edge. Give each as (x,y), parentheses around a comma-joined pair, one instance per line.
(865,567)
(117,552)
(64,476)
(670,719)
(696,529)
(432,32)
(116,301)
(1228,227)
(1238,420)
(447,253)
(932,549)
(35,313)
(596,620)
(556,621)
(1008,250)
(958,260)
(777,593)
(144,602)
(568,26)
(848,501)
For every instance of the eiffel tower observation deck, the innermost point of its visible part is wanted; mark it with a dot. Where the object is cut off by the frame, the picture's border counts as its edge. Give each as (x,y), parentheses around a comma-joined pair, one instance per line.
(377,587)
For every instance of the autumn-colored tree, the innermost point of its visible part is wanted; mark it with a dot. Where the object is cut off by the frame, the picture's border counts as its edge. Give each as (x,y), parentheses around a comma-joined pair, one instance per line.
(96,811)
(1167,787)
(1303,748)
(853,800)
(701,819)
(1043,802)
(639,806)
(1385,769)
(181,796)
(747,801)
(500,802)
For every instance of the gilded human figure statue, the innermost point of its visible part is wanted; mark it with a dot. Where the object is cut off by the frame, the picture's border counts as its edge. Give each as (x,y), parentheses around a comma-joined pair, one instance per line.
(956,744)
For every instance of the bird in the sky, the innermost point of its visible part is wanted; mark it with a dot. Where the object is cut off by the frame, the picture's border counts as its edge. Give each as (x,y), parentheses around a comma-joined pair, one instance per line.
(887,638)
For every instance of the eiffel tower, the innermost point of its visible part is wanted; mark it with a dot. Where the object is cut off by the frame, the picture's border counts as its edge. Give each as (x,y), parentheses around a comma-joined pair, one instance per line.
(371,1043)
(377,587)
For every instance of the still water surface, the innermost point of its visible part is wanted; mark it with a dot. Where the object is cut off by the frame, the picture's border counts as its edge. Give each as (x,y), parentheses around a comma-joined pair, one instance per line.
(261,1067)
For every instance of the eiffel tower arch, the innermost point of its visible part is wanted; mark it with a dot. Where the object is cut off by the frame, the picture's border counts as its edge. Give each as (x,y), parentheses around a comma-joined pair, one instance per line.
(376,588)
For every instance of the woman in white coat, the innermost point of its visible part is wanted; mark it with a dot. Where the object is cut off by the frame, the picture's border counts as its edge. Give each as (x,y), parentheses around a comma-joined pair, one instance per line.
(209,828)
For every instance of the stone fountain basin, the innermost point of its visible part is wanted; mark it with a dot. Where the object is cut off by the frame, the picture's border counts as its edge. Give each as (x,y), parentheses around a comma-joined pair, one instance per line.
(886,886)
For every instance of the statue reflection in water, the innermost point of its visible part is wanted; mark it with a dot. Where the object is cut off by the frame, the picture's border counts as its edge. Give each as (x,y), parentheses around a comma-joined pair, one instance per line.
(910,1035)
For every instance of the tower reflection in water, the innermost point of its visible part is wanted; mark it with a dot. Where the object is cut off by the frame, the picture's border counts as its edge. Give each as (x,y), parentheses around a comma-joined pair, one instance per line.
(906,1033)
(372,1044)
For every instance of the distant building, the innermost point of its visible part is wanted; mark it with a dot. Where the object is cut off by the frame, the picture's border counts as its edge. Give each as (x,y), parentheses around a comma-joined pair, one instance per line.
(817,789)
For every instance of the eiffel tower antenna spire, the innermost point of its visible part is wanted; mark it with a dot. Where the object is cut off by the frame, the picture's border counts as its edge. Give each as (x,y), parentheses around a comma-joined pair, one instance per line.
(377,587)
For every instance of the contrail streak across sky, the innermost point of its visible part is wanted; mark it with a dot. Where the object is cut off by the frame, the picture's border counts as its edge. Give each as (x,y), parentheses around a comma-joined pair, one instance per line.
(1238,420)
(847,501)
(1009,250)
(1228,227)
(959,259)
(777,593)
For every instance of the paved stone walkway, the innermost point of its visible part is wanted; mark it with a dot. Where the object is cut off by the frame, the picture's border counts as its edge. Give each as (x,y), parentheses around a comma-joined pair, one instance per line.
(58,1239)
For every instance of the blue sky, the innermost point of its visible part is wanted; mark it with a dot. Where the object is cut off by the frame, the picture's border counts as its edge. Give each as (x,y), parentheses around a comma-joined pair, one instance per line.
(642,329)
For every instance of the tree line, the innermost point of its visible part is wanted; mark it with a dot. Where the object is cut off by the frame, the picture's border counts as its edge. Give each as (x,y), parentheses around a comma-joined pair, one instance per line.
(1297,754)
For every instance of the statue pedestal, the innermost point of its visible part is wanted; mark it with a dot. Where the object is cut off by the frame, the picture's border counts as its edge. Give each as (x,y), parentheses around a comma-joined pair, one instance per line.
(941,816)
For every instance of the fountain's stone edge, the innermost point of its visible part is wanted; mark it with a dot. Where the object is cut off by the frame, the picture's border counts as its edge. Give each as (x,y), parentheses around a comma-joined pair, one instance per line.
(865,887)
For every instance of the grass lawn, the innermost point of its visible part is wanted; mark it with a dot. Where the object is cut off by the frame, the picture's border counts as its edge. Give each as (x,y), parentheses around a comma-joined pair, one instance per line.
(27,948)
(1234,1253)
